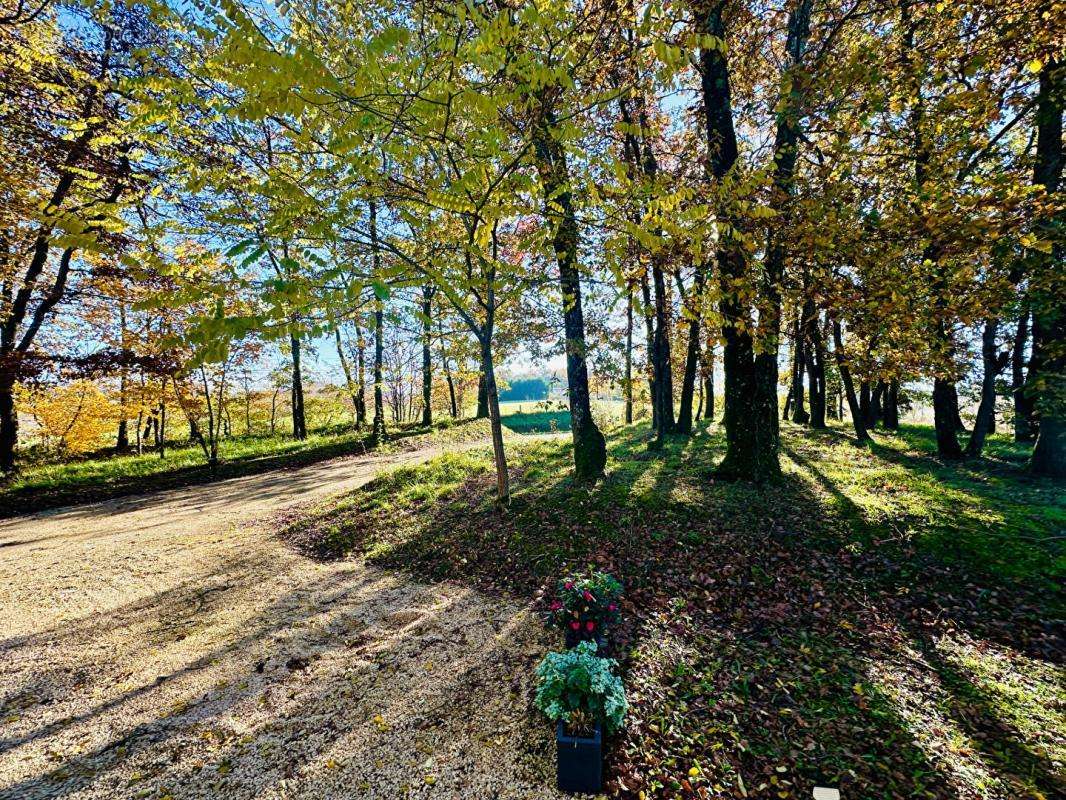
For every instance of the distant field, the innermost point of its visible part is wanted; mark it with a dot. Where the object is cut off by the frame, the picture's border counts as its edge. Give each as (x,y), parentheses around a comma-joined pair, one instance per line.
(537,422)
(545,417)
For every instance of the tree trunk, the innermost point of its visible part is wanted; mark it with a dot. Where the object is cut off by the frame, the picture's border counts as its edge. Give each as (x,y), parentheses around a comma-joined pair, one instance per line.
(639,155)
(378,433)
(662,369)
(664,383)
(649,336)
(945,413)
(986,410)
(590,447)
(299,421)
(427,360)
(814,353)
(360,376)
(631,156)
(945,400)
(9,424)
(1049,453)
(629,353)
(162,443)
(692,355)
(454,407)
(816,388)
(891,410)
(349,381)
(786,139)
(122,442)
(857,418)
(864,404)
(482,396)
(799,413)
(1023,404)
(708,381)
(877,404)
(751,440)
(503,486)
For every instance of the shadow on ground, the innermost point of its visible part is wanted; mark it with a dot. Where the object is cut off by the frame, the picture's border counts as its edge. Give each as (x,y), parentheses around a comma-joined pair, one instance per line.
(777,638)
(270,677)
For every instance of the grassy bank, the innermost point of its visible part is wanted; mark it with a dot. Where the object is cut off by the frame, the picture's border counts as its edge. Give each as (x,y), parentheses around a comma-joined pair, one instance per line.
(878,621)
(45,485)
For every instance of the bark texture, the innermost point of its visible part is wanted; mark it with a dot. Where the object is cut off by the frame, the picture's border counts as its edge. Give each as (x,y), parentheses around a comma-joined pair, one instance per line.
(590,447)
(751,440)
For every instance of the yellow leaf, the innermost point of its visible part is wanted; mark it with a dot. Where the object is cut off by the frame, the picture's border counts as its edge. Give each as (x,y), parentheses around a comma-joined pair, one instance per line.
(1035,65)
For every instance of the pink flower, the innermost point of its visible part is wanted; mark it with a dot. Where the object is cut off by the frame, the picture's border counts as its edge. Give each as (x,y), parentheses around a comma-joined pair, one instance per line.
(590,626)
(556,605)
(587,595)
(575,625)
(612,607)
(568,585)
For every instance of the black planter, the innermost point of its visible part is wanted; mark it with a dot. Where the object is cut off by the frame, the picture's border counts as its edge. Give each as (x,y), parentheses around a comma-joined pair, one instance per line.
(579,760)
(574,638)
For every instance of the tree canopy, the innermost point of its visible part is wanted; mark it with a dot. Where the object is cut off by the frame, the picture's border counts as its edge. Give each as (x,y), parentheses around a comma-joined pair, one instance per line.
(858,200)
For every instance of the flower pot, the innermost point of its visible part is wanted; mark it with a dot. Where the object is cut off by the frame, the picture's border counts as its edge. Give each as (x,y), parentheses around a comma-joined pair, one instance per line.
(574,638)
(579,760)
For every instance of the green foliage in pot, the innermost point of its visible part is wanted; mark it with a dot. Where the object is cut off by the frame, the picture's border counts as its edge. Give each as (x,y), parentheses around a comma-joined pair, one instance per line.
(577,684)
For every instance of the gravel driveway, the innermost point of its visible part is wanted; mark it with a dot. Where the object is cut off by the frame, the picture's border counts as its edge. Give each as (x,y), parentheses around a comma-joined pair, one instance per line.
(168,646)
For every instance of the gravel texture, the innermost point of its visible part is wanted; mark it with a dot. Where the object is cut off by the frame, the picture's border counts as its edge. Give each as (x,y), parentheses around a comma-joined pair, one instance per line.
(168,646)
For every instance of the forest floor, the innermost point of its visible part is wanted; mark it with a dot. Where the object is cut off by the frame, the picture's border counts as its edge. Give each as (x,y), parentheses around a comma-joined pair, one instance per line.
(170,646)
(878,621)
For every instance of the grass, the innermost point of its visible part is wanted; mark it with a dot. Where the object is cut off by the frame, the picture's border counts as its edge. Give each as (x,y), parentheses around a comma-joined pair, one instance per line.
(49,481)
(878,621)
(538,421)
(48,484)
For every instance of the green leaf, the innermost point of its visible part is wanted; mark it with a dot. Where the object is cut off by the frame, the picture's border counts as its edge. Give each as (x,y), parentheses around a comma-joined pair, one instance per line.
(239,248)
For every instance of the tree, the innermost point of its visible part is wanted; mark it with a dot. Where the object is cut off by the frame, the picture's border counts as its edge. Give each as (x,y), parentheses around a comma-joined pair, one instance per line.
(1048,285)
(72,417)
(751,438)
(66,167)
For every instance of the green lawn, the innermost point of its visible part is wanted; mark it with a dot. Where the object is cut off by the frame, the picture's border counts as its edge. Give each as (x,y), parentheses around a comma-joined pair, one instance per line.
(878,621)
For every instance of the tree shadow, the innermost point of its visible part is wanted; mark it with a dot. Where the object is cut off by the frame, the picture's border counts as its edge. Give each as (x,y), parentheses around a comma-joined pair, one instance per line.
(1021,614)
(1000,742)
(346,677)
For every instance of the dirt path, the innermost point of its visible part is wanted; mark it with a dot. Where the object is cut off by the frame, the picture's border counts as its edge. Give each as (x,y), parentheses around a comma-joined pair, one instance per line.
(169,646)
